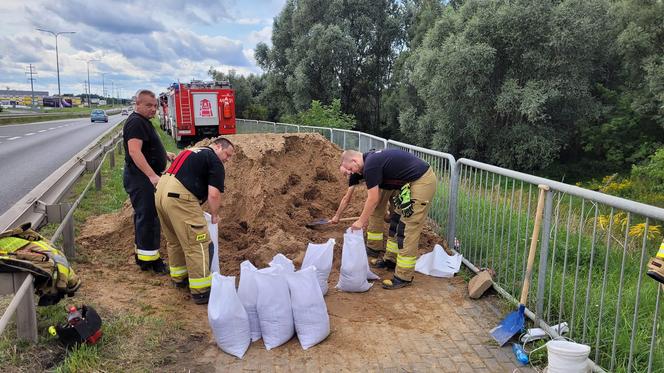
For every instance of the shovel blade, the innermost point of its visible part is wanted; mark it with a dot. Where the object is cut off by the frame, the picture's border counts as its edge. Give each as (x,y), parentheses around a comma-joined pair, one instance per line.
(317,223)
(511,324)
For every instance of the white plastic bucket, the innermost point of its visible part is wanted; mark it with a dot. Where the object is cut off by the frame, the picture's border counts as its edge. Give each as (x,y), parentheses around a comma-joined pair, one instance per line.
(567,357)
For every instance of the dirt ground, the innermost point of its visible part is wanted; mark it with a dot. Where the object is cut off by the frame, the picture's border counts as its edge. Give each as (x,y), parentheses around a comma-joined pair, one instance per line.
(275,184)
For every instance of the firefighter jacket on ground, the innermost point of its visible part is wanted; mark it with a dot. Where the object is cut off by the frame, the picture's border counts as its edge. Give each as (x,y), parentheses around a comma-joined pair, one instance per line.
(24,250)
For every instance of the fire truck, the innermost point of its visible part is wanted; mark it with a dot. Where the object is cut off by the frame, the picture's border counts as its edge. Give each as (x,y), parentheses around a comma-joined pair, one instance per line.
(193,111)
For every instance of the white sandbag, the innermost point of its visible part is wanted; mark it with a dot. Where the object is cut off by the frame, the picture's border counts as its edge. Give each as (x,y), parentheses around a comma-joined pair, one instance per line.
(320,256)
(437,263)
(248,293)
(312,323)
(284,262)
(214,236)
(354,264)
(274,306)
(227,317)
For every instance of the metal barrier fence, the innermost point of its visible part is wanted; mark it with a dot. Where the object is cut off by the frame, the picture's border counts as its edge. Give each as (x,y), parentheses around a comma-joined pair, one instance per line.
(592,252)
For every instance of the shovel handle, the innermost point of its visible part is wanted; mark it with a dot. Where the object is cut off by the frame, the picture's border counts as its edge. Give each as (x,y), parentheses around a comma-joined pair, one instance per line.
(349,219)
(533,243)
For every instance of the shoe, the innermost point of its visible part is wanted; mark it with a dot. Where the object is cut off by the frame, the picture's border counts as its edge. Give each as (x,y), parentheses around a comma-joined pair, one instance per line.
(159,267)
(395,283)
(202,298)
(383,264)
(182,284)
(374,253)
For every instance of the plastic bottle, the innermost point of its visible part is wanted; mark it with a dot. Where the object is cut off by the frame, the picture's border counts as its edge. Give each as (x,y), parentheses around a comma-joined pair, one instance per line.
(520,354)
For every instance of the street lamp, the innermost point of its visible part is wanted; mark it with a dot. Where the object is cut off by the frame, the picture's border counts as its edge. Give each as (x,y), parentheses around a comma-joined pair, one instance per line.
(57,59)
(87,64)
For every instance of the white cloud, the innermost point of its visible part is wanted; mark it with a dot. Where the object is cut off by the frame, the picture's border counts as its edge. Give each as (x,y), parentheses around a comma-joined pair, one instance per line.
(263,35)
(141,44)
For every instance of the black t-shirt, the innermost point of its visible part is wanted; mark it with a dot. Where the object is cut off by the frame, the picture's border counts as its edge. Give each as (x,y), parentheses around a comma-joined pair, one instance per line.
(392,168)
(197,168)
(139,127)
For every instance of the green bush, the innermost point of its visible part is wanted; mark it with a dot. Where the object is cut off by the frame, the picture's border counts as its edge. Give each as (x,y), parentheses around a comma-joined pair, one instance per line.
(322,116)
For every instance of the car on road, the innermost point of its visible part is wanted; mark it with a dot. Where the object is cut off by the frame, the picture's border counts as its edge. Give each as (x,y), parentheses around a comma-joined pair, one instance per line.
(98,115)
(124,112)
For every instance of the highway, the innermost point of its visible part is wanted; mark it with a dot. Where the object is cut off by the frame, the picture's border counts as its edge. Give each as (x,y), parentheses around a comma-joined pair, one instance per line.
(30,152)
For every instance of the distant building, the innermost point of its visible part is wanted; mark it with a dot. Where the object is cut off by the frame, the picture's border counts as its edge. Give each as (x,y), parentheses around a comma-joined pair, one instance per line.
(19,97)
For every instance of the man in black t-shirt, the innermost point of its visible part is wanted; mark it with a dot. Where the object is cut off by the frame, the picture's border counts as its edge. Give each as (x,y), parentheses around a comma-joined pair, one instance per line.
(374,241)
(145,160)
(196,175)
(415,183)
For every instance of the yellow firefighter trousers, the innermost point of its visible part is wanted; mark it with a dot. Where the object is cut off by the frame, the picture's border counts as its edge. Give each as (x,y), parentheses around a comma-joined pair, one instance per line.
(422,191)
(186,232)
(376,224)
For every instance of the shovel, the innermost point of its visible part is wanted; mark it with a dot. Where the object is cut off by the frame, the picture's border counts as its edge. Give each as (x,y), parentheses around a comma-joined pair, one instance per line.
(514,321)
(319,222)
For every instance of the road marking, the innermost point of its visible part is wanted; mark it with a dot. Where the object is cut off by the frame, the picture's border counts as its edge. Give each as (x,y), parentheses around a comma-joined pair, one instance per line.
(30,134)
(40,131)
(52,128)
(14,138)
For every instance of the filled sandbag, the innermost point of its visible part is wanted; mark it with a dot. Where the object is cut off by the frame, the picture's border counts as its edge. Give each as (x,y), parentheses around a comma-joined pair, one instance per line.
(248,293)
(284,262)
(320,256)
(227,317)
(312,323)
(274,306)
(354,264)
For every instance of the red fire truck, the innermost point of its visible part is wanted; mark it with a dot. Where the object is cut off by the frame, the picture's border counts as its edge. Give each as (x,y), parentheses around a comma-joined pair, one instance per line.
(192,111)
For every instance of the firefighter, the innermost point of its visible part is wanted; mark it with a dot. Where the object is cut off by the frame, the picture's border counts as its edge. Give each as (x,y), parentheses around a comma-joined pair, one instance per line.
(145,160)
(415,184)
(196,175)
(375,246)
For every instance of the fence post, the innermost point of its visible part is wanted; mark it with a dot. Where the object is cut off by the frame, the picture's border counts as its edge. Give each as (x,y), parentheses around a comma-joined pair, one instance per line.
(111,159)
(68,236)
(98,174)
(344,143)
(544,253)
(22,304)
(451,209)
(274,127)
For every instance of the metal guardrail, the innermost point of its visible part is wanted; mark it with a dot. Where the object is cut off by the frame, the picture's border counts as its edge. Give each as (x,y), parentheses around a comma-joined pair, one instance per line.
(591,267)
(43,203)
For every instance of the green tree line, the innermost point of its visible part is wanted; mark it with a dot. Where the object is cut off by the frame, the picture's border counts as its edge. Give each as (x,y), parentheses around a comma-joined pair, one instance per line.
(566,88)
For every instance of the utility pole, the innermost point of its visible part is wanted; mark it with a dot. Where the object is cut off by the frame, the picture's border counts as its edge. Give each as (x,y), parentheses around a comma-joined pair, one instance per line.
(31,70)
(112,99)
(103,87)
(57,59)
(87,64)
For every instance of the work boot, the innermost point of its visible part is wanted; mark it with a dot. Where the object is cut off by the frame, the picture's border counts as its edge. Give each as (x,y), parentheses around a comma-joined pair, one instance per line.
(182,284)
(374,253)
(159,267)
(395,283)
(202,298)
(383,264)
(656,269)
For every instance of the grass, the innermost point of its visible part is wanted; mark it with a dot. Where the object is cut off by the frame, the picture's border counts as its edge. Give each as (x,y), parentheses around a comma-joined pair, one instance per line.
(494,223)
(133,340)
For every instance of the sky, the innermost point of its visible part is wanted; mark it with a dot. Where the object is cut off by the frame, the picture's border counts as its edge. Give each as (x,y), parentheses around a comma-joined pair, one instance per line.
(139,44)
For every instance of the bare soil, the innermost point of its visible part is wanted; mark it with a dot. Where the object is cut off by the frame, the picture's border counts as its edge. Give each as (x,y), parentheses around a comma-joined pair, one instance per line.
(275,184)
